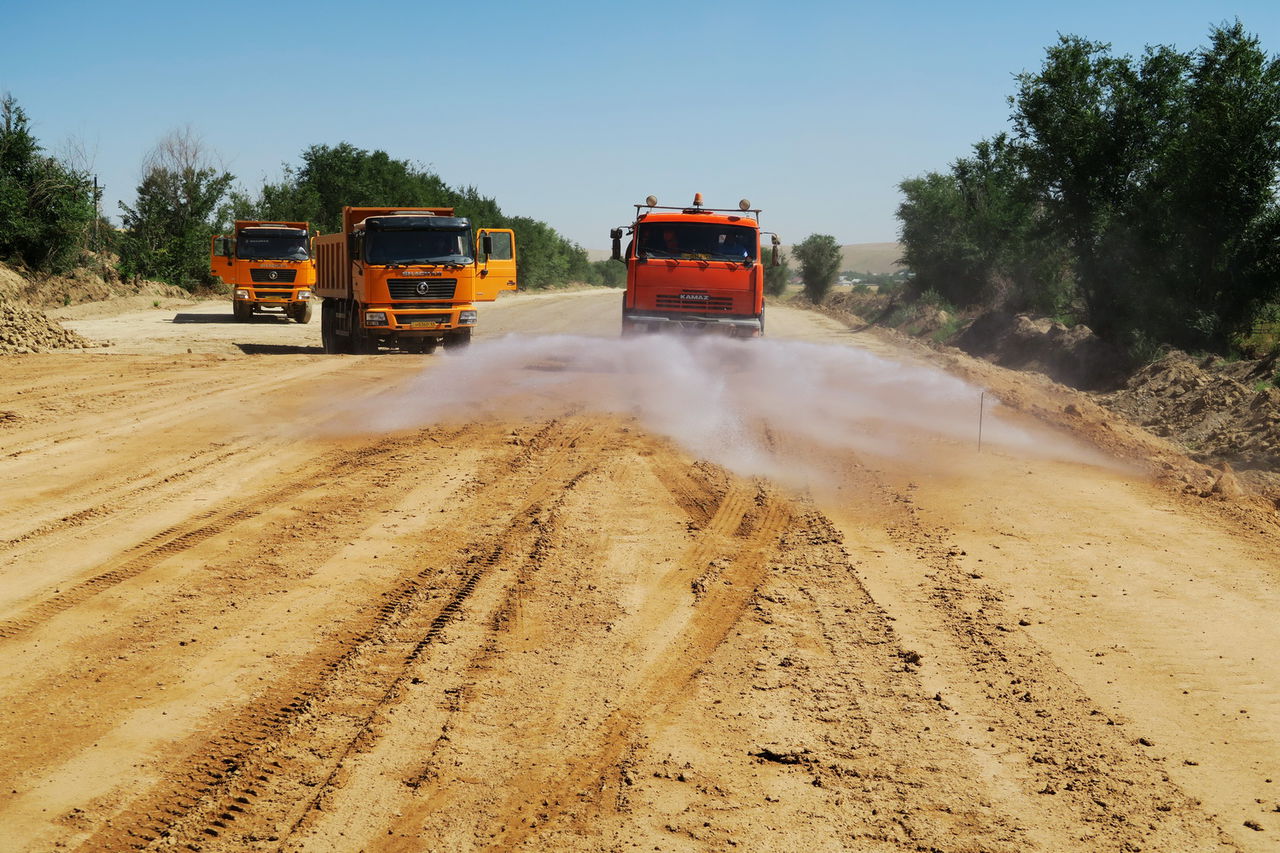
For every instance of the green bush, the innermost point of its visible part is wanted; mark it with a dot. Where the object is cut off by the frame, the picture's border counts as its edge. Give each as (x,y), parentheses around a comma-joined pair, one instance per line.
(46,208)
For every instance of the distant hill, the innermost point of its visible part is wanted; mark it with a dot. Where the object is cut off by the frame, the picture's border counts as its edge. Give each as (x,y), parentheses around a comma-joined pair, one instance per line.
(879,258)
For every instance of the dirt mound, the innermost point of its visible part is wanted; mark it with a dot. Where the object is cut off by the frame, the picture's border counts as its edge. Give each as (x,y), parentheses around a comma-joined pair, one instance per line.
(27,329)
(24,329)
(1205,407)
(1074,356)
(25,298)
(94,280)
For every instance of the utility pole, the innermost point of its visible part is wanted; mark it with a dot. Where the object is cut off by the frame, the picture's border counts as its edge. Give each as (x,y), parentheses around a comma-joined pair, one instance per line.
(97,212)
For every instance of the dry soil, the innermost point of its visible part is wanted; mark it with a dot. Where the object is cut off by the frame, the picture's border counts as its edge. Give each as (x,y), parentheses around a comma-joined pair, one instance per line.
(241,609)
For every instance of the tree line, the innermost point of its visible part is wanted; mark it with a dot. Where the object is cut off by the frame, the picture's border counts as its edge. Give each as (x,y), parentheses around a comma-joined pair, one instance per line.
(1134,194)
(48,210)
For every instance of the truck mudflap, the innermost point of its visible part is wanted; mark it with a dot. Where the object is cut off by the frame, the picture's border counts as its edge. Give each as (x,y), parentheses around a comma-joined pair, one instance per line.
(642,323)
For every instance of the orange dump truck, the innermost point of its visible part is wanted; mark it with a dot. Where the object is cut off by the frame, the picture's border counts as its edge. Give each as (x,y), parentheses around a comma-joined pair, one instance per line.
(268,266)
(693,269)
(407,278)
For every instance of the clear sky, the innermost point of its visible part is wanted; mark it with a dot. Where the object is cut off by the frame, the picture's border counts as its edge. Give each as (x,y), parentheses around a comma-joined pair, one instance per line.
(571,112)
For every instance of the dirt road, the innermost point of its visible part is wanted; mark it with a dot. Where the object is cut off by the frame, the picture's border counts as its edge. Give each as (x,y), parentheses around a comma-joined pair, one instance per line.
(566,592)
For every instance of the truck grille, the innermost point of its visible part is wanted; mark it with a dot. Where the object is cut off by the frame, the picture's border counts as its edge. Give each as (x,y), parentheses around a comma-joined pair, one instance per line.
(436,288)
(273,289)
(274,276)
(711,303)
(408,319)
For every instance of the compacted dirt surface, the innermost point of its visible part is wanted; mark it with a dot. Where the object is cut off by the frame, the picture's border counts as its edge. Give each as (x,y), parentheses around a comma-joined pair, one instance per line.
(563,591)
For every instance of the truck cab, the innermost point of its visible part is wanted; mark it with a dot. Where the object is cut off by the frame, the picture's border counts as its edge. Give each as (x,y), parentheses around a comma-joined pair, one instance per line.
(693,269)
(269,268)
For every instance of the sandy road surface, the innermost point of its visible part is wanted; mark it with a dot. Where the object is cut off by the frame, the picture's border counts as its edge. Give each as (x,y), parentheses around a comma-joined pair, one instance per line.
(583,594)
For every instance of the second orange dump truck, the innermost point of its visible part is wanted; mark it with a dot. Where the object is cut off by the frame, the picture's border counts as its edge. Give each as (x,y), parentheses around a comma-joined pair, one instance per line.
(268,266)
(407,278)
(693,269)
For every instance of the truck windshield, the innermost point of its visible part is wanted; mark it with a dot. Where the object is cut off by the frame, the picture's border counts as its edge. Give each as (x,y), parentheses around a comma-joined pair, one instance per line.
(701,240)
(386,248)
(271,247)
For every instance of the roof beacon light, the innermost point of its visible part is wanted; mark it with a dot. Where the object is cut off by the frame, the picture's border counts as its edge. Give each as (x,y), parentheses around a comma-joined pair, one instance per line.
(697,199)
(651,200)
(745,204)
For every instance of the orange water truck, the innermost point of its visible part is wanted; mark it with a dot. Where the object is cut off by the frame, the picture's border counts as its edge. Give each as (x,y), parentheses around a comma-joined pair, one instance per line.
(693,269)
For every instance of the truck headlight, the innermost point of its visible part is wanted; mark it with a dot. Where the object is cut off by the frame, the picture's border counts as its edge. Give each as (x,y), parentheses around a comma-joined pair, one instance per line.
(375,318)
(466,318)
(242,293)
(304,294)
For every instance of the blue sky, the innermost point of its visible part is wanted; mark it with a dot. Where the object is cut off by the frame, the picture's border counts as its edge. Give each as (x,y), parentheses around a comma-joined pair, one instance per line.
(571,112)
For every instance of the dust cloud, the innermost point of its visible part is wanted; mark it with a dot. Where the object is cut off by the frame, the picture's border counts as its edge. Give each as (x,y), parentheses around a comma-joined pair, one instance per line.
(781,409)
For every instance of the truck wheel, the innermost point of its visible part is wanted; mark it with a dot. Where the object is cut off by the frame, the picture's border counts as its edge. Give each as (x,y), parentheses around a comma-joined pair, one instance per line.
(360,342)
(243,311)
(460,339)
(329,326)
(302,312)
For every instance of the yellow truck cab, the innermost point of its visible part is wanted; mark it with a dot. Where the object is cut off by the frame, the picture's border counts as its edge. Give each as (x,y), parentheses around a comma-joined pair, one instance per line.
(408,278)
(268,266)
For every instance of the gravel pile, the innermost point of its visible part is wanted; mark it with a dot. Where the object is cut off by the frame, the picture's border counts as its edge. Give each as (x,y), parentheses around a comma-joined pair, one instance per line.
(24,329)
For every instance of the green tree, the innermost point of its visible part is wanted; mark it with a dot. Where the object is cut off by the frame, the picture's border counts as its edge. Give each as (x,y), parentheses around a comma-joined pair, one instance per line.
(609,273)
(776,277)
(819,258)
(333,177)
(46,207)
(167,229)
(1221,241)
(1093,129)
(975,236)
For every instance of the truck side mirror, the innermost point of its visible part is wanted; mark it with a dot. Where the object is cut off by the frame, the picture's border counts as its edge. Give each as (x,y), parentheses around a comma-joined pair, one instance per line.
(616,235)
(486,245)
(353,248)
(773,256)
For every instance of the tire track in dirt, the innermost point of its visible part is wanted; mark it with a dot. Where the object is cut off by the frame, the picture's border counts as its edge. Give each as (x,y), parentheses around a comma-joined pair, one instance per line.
(283,768)
(178,538)
(109,497)
(538,804)
(148,413)
(1036,735)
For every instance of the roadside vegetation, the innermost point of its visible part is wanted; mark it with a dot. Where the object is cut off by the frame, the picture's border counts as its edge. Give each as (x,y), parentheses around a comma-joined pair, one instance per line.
(49,218)
(47,208)
(1135,195)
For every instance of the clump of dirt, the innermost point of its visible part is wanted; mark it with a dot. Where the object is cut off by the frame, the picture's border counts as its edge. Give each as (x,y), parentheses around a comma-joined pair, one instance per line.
(1074,356)
(1204,406)
(25,298)
(24,329)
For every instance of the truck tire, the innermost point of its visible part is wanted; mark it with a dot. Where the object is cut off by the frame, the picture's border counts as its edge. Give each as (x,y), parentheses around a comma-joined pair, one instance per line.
(360,342)
(329,327)
(302,312)
(242,310)
(458,340)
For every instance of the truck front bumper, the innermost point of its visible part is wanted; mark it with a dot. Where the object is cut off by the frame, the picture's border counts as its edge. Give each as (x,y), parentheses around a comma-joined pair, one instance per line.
(389,320)
(643,322)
